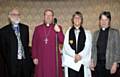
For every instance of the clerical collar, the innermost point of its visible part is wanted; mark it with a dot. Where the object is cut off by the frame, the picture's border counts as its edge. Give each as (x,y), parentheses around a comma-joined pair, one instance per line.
(48,25)
(77,28)
(104,29)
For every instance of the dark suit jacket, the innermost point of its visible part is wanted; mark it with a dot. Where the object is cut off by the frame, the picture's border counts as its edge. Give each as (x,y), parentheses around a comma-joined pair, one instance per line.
(112,51)
(2,67)
(9,47)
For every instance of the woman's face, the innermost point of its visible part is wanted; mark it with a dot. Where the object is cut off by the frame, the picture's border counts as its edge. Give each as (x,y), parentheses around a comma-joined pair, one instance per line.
(77,20)
(104,22)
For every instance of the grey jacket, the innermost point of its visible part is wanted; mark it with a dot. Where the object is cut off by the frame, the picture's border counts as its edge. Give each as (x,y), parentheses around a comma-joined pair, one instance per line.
(112,50)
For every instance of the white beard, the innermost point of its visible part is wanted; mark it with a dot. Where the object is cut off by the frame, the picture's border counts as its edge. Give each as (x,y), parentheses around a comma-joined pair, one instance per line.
(15,22)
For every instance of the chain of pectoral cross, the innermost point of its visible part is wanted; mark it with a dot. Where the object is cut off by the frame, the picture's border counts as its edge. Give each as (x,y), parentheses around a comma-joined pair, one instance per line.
(46,35)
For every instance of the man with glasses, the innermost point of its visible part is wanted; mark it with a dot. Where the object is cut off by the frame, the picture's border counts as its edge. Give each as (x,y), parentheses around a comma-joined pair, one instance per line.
(14,46)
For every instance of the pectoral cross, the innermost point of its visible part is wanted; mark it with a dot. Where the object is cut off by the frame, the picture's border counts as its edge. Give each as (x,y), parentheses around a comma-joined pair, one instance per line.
(46,40)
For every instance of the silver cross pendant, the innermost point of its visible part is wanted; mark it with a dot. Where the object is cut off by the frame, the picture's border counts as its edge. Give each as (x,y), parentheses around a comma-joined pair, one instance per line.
(46,40)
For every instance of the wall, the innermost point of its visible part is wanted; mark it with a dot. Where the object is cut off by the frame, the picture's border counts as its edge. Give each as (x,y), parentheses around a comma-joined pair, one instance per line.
(32,11)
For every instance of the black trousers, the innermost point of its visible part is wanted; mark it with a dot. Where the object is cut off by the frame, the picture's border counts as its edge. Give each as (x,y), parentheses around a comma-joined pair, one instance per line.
(21,71)
(100,71)
(3,71)
(73,73)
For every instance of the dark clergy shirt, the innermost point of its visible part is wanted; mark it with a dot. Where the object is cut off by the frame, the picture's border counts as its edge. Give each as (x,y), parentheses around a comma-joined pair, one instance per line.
(102,45)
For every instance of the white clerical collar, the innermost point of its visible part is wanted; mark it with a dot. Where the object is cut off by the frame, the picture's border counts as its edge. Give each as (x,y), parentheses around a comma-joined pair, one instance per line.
(77,28)
(103,29)
(47,25)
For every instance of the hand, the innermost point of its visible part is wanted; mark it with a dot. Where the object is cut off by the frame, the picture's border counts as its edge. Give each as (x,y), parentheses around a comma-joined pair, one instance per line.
(77,58)
(57,28)
(114,68)
(92,65)
(60,48)
(35,61)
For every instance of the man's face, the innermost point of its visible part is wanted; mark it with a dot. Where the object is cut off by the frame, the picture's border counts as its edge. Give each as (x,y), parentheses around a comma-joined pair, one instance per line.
(48,17)
(14,16)
(104,22)
(77,20)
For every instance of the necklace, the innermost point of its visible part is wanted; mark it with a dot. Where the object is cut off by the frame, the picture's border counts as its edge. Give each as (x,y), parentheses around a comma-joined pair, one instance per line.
(47,32)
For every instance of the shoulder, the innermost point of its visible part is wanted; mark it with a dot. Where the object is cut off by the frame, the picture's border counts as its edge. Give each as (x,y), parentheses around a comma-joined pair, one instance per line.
(23,25)
(87,32)
(96,32)
(88,35)
(68,30)
(38,27)
(5,28)
(4,31)
(114,30)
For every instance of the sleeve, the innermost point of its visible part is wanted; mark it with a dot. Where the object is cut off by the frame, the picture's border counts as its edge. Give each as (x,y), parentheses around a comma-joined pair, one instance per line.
(28,48)
(34,43)
(66,47)
(3,46)
(86,53)
(117,49)
(27,33)
(60,36)
(94,49)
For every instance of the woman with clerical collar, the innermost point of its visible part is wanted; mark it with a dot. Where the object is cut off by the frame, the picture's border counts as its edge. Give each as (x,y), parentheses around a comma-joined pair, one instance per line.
(105,48)
(77,49)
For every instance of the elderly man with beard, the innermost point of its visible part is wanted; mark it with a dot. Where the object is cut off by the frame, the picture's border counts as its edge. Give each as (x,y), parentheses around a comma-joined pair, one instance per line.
(14,42)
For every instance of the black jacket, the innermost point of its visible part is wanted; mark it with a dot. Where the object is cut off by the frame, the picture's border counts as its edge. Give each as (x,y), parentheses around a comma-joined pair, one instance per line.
(9,47)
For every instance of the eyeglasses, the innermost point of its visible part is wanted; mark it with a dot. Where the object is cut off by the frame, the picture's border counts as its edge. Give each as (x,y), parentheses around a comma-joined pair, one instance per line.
(15,14)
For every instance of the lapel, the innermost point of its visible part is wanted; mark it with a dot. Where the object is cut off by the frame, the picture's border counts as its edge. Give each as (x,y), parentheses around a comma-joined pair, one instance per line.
(13,40)
(109,36)
(11,32)
(97,35)
(109,39)
(21,32)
